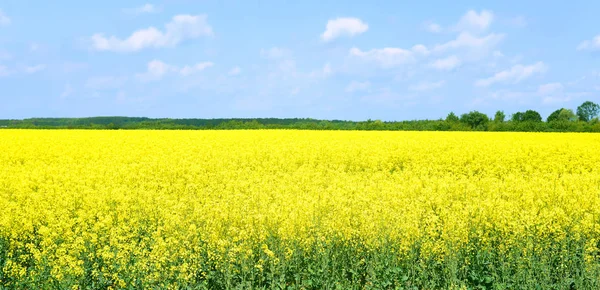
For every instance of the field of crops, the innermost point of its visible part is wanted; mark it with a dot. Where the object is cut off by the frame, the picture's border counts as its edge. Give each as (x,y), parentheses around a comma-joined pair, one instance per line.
(298,209)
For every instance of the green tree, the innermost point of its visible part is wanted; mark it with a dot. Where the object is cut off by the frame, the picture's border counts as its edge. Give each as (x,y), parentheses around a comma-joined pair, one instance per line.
(377,125)
(517,117)
(554,115)
(499,117)
(587,111)
(531,116)
(527,116)
(567,115)
(475,119)
(452,118)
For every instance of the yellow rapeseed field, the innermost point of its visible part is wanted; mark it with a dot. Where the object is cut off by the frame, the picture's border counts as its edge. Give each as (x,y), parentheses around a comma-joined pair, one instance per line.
(298,209)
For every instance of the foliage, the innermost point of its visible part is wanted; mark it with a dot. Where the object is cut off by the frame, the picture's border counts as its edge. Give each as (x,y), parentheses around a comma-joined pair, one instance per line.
(567,115)
(587,111)
(452,118)
(475,119)
(530,121)
(302,124)
(554,115)
(499,117)
(527,116)
(277,209)
(517,117)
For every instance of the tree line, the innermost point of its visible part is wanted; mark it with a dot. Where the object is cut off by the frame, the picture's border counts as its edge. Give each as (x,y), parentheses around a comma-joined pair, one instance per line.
(584,119)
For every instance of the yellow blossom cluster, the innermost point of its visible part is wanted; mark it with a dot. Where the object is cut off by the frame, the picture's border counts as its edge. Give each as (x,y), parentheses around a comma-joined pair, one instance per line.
(169,209)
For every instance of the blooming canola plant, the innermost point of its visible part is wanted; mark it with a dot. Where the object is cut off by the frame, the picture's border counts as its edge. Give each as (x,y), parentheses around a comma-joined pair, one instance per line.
(305,209)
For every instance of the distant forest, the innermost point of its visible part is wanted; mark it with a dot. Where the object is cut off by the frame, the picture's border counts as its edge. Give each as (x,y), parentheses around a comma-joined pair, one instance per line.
(585,119)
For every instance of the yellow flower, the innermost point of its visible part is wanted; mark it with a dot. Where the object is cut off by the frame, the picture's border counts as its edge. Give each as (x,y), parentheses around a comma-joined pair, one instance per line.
(161,205)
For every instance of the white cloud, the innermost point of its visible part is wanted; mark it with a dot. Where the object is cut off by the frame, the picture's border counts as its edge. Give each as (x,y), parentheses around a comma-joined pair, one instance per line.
(385,57)
(344,26)
(468,41)
(420,49)
(593,44)
(550,88)
(475,22)
(147,8)
(357,86)
(235,71)
(507,95)
(433,27)
(4,71)
(547,94)
(497,54)
(67,91)
(4,20)
(33,47)
(156,70)
(34,69)
(287,66)
(553,93)
(105,82)
(556,100)
(324,72)
(327,69)
(445,64)
(514,75)
(188,70)
(275,53)
(426,86)
(144,9)
(180,28)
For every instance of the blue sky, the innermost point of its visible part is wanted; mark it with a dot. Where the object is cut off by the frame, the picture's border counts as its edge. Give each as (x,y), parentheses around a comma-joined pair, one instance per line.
(351,60)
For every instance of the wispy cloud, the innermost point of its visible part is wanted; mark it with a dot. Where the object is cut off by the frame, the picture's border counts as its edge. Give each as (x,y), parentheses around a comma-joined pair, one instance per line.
(192,69)
(4,71)
(466,40)
(34,68)
(324,72)
(275,53)
(343,26)
(144,9)
(156,70)
(181,27)
(475,22)
(385,57)
(592,44)
(426,86)
(4,20)
(446,64)
(67,91)
(357,86)
(550,88)
(514,75)
(433,27)
(236,70)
